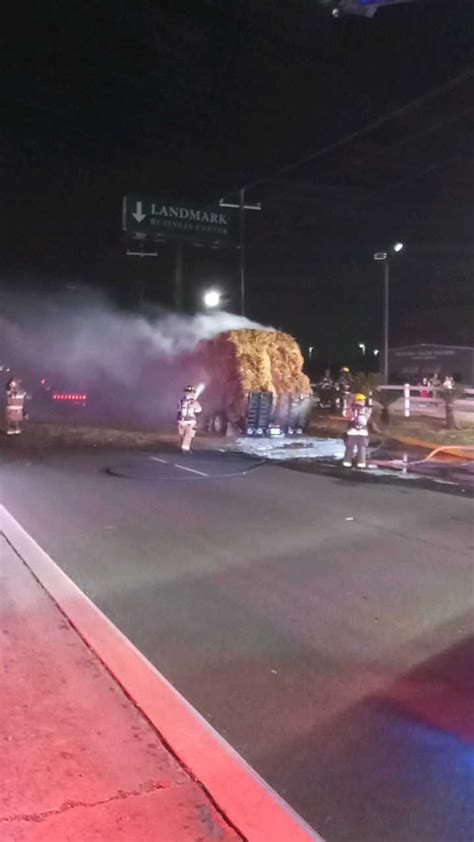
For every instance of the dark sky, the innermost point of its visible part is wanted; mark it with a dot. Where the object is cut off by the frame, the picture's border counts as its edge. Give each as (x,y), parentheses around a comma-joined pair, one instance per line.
(194,99)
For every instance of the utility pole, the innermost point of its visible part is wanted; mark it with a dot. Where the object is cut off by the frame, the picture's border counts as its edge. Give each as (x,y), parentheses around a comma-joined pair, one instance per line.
(242,207)
(242,248)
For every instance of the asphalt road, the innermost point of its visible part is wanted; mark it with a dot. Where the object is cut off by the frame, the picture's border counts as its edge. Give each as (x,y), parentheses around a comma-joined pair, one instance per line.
(324,627)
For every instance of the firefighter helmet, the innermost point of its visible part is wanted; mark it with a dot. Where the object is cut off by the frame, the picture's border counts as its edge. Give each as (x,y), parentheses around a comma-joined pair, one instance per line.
(345,369)
(190,390)
(360,398)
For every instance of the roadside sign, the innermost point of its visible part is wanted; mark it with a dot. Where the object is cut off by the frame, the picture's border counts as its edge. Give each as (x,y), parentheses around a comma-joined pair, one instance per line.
(162,218)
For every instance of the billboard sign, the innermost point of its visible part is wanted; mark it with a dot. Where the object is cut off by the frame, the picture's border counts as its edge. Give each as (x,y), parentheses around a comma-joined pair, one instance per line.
(416,361)
(162,218)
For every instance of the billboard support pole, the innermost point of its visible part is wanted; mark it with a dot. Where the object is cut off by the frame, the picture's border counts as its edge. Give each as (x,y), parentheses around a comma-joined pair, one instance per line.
(178,277)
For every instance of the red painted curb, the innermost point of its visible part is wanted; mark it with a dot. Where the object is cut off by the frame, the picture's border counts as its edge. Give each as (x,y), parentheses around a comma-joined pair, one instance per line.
(248,803)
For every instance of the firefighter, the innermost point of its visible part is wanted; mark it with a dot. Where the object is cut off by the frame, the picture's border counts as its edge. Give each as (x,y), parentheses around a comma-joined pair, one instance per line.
(344,387)
(357,438)
(15,406)
(188,408)
(325,389)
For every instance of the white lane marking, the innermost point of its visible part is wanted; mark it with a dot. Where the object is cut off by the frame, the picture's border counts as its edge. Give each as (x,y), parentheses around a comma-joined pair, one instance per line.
(155,459)
(191,470)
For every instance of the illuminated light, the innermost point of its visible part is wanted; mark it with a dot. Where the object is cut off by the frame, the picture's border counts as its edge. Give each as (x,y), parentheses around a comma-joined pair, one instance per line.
(397,246)
(69,396)
(212,298)
(43,381)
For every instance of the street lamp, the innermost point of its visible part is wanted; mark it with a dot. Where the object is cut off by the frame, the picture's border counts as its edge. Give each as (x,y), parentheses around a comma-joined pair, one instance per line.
(362,347)
(385,256)
(211,298)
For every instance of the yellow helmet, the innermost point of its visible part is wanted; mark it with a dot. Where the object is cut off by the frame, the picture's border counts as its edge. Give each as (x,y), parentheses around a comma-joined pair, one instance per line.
(345,369)
(360,397)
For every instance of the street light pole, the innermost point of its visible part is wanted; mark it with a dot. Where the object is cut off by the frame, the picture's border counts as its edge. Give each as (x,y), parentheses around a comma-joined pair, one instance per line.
(386,304)
(385,257)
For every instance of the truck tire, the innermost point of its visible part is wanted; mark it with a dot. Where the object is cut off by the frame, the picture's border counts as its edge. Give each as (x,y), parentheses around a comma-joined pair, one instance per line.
(219,424)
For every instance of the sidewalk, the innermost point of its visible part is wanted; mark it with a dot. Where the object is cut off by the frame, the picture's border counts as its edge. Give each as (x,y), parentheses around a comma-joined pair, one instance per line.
(79,761)
(96,745)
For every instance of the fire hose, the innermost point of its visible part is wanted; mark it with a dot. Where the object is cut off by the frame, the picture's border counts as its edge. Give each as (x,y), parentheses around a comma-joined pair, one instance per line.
(403,463)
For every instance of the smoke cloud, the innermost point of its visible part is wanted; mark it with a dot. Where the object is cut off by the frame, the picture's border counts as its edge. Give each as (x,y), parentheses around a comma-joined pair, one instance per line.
(132,366)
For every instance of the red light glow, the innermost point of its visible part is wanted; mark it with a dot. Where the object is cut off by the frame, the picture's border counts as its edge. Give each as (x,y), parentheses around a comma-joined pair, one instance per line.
(65,396)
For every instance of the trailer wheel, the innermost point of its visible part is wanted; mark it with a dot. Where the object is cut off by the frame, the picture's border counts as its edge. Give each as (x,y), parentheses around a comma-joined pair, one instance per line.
(219,424)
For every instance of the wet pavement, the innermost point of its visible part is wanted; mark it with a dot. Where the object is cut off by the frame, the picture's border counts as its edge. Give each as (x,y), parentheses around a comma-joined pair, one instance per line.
(393,462)
(169,466)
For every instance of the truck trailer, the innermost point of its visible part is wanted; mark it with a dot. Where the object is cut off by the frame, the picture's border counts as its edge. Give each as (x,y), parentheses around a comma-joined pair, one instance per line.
(253,382)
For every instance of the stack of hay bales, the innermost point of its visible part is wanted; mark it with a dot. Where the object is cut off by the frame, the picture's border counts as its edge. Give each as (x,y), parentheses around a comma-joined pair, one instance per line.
(241,361)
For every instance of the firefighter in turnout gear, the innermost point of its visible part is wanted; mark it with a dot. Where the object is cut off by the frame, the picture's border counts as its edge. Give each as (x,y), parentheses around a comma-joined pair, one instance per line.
(325,391)
(344,386)
(15,406)
(188,408)
(357,438)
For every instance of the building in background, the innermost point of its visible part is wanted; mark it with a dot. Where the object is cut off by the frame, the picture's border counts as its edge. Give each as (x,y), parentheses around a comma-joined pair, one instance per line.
(412,362)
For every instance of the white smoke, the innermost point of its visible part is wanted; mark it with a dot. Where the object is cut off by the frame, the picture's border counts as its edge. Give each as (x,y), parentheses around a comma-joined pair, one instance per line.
(85,342)
(173,334)
(89,333)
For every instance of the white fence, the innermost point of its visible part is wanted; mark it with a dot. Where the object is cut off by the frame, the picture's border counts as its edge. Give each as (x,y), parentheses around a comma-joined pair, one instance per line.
(407,390)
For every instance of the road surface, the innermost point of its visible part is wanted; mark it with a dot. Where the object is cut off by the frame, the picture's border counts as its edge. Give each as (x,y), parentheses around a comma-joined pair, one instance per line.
(324,627)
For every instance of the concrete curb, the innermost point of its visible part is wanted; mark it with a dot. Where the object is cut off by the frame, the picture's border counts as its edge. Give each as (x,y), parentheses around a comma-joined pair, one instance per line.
(248,803)
(458,451)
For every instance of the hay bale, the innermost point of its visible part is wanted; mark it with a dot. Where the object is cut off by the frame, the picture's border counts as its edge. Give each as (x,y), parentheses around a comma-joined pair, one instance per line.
(241,361)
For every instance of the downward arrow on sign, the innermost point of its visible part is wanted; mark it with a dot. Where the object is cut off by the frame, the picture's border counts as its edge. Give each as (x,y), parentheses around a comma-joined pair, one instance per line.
(138,215)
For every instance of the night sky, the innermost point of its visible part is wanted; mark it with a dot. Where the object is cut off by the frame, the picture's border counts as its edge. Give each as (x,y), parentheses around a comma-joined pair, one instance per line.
(196,99)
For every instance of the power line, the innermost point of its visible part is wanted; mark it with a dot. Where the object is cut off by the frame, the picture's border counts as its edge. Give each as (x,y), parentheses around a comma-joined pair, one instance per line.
(365,130)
